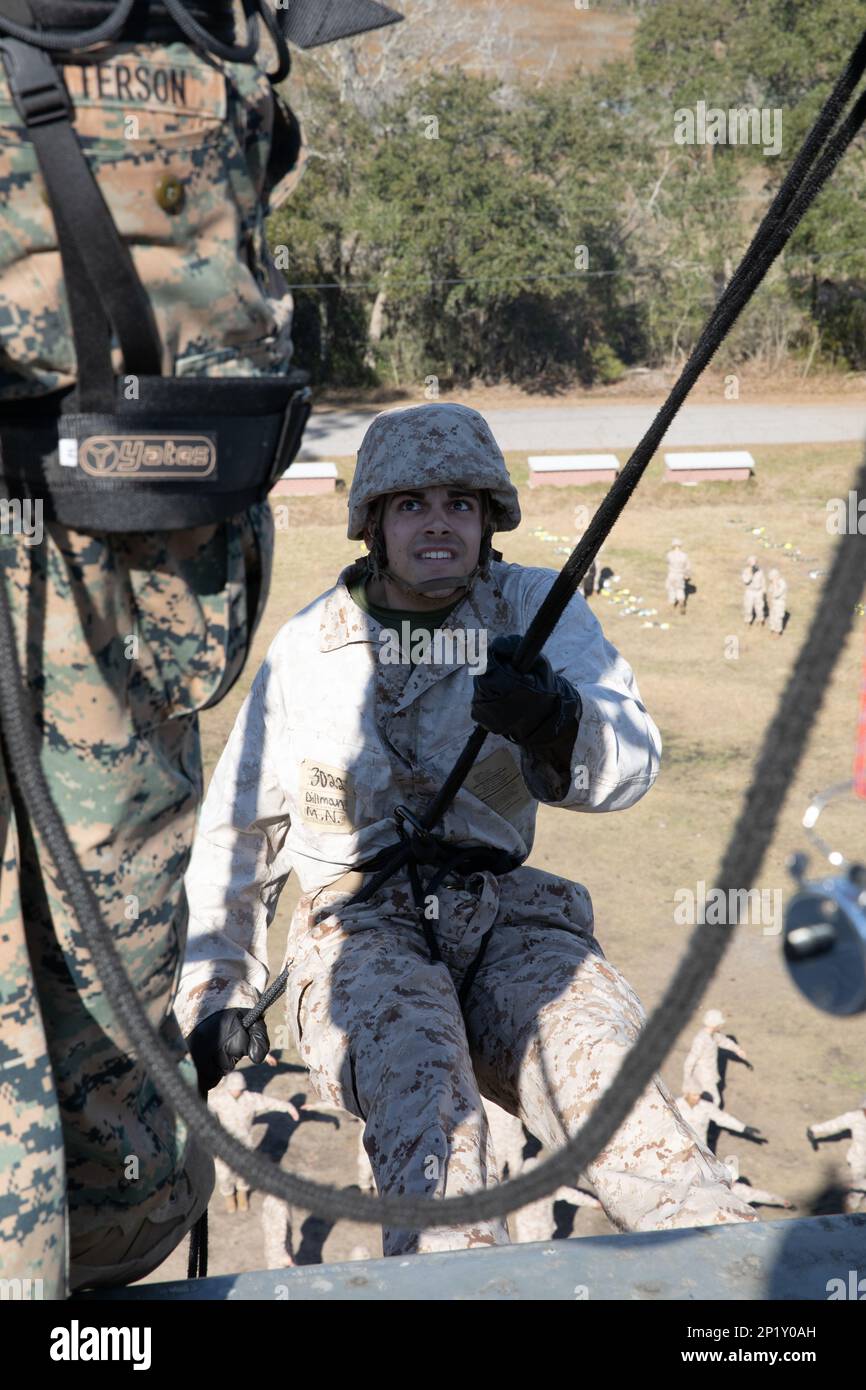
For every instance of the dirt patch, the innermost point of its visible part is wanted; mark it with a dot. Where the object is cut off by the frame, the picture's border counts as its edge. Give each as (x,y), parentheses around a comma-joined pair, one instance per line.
(787,387)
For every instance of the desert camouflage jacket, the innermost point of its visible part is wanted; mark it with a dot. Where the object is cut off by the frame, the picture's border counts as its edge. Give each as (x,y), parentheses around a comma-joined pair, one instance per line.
(335,733)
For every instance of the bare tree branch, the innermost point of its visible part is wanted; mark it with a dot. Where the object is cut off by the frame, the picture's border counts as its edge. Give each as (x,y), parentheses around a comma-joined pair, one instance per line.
(370,71)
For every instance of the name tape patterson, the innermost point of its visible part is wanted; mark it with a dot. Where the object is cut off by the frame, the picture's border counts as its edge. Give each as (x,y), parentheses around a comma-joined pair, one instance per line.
(141,455)
(148,85)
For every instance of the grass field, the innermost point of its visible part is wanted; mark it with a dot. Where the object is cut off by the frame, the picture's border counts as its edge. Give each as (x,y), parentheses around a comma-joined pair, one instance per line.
(556,31)
(712,708)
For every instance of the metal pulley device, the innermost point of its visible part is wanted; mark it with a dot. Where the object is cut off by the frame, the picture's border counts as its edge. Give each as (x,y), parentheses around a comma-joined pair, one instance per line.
(825,922)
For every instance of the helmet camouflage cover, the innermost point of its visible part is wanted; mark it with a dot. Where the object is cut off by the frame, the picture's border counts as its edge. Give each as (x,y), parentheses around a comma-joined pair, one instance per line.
(428,446)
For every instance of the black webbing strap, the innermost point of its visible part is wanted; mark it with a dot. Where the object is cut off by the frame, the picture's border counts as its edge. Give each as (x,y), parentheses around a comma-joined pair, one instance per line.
(426,849)
(91,331)
(423,849)
(97,265)
(129,473)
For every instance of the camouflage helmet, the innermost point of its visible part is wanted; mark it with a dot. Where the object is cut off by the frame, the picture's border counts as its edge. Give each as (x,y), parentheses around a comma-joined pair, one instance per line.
(429,446)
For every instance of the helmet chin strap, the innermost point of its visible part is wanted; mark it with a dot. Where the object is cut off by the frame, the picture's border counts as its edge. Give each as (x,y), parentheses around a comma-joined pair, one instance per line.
(425,587)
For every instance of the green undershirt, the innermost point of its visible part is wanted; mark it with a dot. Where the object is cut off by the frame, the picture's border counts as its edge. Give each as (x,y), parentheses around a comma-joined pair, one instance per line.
(559,754)
(393,618)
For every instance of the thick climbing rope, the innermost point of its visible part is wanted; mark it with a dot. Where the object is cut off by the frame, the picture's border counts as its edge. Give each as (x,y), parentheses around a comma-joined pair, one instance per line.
(61,40)
(196,1267)
(782,750)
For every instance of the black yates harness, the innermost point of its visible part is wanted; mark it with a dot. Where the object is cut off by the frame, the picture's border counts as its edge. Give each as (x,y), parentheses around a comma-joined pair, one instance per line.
(143,451)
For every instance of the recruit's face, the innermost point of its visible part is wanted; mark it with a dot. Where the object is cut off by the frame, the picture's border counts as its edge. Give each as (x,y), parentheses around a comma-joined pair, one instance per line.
(431,532)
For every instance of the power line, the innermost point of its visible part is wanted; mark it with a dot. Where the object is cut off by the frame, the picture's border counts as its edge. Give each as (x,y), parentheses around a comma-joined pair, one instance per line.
(430,282)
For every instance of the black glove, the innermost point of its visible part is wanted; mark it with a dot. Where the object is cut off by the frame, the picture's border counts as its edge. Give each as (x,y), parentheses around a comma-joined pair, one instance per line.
(752,1133)
(533,709)
(812,1140)
(221,1040)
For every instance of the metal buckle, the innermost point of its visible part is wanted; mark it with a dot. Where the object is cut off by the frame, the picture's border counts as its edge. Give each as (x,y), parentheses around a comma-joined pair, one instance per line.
(37,89)
(403,816)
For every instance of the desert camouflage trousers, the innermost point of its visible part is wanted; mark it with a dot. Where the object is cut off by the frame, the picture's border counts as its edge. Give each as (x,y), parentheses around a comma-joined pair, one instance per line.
(277,1229)
(753,605)
(227,1181)
(547,1023)
(778,608)
(122,639)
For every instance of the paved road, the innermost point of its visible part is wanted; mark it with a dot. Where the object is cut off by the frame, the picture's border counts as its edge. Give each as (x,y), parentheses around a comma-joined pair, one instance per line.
(580,428)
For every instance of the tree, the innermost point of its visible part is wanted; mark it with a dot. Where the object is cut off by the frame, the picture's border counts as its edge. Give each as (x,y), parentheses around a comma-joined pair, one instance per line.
(483,225)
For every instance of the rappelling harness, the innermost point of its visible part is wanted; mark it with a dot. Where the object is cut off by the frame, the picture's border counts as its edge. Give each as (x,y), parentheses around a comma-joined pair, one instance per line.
(448,860)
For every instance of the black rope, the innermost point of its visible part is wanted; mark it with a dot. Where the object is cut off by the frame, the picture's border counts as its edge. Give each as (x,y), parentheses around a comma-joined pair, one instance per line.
(58,40)
(196,1267)
(199,37)
(781,752)
(284,57)
(78,40)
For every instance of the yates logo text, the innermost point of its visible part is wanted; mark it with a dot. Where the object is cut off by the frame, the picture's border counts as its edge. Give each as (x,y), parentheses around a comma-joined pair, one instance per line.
(148,456)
